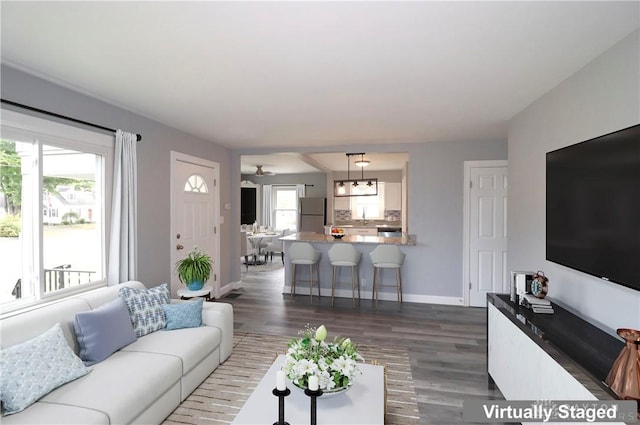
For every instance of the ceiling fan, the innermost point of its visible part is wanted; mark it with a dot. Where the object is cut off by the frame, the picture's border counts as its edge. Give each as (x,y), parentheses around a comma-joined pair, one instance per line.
(260,172)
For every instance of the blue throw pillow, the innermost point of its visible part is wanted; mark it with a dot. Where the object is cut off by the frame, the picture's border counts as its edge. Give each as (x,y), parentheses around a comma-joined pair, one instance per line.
(145,307)
(103,331)
(184,315)
(34,368)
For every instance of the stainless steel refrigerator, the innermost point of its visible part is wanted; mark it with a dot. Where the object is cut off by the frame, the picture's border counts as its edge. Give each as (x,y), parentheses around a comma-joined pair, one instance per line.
(311,215)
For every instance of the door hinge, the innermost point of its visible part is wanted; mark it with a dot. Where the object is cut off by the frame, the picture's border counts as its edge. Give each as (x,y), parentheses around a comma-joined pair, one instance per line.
(470,184)
(215,277)
(215,182)
(215,230)
(470,286)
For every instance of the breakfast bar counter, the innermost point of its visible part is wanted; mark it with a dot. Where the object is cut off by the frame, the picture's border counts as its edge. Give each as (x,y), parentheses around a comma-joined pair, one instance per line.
(353,239)
(364,244)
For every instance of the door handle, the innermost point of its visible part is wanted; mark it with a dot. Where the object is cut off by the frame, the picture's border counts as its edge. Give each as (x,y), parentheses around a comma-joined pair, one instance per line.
(179,247)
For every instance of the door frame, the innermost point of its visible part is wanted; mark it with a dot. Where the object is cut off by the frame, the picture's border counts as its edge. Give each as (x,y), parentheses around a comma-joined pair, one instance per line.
(466,210)
(215,193)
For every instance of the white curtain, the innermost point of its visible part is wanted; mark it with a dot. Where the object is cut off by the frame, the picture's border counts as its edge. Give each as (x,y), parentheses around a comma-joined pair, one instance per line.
(122,241)
(300,189)
(267,206)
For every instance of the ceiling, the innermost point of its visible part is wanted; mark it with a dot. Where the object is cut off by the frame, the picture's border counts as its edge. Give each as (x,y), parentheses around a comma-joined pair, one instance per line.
(278,75)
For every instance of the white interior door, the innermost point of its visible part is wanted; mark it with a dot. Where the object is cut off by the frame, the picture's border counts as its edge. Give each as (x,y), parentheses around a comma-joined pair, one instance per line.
(485,230)
(194,213)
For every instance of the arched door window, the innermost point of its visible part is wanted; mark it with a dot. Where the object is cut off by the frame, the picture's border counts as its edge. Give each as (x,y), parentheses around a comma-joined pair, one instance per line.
(196,184)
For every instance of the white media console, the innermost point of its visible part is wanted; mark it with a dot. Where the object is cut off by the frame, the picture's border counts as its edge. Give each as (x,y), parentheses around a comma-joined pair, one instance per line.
(546,357)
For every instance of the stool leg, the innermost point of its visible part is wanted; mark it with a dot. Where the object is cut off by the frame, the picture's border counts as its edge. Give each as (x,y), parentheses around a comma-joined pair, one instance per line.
(374,294)
(310,282)
(353,288)
(333,284)
(358,280)
(293,279)
(399,283)
(318,275)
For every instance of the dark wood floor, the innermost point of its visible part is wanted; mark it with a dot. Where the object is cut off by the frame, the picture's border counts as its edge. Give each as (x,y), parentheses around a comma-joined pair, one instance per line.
(447,345)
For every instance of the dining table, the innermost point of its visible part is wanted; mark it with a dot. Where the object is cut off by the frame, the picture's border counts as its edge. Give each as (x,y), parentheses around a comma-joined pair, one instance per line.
(256,240)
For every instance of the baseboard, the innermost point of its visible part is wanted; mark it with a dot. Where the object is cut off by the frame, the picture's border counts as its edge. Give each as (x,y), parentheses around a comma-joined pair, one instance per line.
(386,296)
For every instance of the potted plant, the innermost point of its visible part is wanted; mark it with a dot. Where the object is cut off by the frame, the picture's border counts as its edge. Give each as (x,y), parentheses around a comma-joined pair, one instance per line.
(195,269)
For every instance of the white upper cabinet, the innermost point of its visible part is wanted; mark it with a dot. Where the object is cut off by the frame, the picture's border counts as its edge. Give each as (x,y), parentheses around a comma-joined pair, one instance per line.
(393,196)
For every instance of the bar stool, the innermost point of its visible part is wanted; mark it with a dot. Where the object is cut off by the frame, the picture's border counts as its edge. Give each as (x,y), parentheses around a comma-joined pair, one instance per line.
(302,253)
(386,257)
(345,255)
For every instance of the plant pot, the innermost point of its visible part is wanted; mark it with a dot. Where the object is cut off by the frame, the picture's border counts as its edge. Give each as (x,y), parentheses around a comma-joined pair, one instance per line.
(196,285)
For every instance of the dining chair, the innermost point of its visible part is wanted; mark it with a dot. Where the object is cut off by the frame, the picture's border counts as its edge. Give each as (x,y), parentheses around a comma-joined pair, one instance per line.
(276,245)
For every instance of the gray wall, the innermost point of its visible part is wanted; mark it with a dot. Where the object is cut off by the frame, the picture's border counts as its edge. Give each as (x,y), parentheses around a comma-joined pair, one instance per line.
(433,268)
(436,192)
(153,166)
(602,97)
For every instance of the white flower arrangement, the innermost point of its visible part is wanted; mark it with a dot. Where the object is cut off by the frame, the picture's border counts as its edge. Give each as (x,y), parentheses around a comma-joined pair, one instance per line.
(334,363)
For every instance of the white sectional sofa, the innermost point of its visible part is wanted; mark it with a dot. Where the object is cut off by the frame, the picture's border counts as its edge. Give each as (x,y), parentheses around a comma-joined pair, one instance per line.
(141,383)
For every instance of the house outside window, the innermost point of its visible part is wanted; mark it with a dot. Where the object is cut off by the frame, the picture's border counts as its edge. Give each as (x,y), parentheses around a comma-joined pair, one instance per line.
(61,171)
(285,208)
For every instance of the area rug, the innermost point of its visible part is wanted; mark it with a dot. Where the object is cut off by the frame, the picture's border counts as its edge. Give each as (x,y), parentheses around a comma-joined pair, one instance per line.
(219,398)
(266,267)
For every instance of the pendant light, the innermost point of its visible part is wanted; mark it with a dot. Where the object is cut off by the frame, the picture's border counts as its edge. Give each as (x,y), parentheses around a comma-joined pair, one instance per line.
(358,187)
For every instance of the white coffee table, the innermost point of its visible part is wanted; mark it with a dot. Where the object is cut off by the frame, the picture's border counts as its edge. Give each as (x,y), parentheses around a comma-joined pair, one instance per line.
(362,404)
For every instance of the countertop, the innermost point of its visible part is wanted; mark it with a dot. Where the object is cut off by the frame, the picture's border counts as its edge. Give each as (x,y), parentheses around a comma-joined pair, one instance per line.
(320,238)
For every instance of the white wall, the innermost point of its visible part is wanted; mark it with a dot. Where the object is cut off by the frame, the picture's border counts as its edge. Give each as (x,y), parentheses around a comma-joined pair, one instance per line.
(602,97)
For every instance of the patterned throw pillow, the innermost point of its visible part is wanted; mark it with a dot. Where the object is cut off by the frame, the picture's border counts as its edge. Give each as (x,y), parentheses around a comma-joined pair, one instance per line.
(145,307)
(184,315)
(36,367)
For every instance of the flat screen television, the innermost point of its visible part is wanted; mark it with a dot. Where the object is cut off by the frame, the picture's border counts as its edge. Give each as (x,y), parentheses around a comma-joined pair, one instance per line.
(593,207)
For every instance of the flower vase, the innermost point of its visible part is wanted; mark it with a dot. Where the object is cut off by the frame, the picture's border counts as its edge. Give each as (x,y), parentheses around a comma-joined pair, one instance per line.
(328,393)
(196,285)
(624,376)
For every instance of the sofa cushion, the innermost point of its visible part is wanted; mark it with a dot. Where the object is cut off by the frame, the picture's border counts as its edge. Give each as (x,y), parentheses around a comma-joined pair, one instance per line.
(103,331)
(184,315)
(145,307)
(33,368)
(189,345)
(122,386)
(56,414)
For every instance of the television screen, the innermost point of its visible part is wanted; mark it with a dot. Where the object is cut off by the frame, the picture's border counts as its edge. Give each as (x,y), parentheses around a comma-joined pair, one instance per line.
(593,207)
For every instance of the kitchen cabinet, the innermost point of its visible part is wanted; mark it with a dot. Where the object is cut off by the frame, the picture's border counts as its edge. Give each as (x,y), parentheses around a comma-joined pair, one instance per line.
(341,203)
(361,231)
(393,196)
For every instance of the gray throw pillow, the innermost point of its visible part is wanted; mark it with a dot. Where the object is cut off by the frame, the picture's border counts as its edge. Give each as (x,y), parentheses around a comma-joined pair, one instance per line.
(103,331)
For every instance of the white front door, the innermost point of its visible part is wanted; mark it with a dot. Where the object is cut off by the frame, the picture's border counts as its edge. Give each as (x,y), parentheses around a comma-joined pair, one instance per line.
(485,230)
(194,213)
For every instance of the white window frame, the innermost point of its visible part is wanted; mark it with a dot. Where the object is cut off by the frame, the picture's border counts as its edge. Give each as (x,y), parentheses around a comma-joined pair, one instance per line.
(25,128)
(381,202)
(274,196)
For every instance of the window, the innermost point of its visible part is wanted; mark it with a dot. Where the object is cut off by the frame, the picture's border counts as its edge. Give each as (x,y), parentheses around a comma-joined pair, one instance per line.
(62,172)
(285,207)
(196,184)
(368,207)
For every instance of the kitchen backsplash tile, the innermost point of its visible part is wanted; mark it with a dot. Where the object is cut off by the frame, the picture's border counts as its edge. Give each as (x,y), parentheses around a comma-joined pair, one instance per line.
(392,214)
(343,215)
